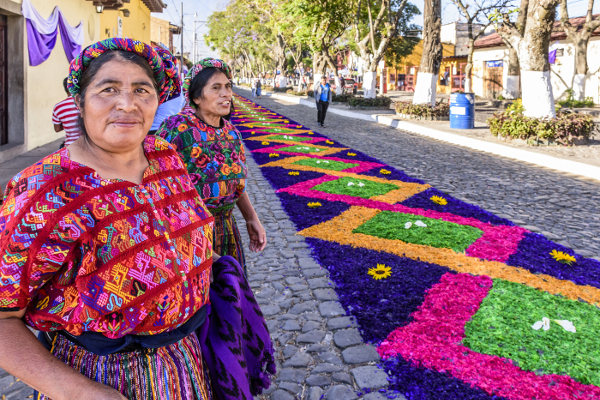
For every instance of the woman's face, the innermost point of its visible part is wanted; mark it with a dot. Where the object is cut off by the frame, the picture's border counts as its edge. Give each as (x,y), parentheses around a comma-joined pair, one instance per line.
(216,96)
(119,106)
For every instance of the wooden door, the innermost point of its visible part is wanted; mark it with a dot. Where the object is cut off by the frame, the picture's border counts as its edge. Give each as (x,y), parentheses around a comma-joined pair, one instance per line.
(492,79)
(3,83)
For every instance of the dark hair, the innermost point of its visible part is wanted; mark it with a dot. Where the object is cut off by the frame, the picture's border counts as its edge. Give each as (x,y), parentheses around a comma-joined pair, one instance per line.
(88,76)
(199,83)
(65,81)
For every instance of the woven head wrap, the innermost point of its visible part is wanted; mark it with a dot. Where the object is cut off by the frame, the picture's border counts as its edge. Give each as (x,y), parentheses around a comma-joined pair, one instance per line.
(195,70)
(161,63)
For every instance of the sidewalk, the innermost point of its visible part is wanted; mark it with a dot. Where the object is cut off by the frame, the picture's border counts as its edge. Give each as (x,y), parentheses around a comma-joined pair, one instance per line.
(579,160)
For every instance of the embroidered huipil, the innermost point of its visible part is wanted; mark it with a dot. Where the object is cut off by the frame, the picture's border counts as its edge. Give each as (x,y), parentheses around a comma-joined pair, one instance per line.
(215,157)
(86,254)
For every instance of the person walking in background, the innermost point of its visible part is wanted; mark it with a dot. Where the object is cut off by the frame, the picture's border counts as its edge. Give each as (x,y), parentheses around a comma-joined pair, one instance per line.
(323,98)
(258,87)
(66,116)
(253,86)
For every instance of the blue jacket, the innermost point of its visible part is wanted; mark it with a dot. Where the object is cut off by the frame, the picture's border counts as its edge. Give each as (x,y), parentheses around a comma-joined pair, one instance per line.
(318,92)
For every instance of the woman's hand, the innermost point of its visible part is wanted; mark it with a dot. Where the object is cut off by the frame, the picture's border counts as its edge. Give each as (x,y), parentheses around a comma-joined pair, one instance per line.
(258,236)
(98,391)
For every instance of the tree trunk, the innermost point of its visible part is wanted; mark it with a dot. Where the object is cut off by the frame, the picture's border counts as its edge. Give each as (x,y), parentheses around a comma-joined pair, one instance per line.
(538,99)
(432,53)
(369,84)
(512,81)
(581,68)
(468,83)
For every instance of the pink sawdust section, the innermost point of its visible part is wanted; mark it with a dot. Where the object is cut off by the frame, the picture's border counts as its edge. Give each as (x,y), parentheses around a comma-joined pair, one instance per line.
(277,148)
(312,140)
(433,340)
(497,243)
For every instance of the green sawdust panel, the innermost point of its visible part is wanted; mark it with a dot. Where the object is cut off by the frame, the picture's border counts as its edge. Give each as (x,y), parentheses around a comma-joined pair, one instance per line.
(326,164)
(369,188)
(438,233)
(502,327)
(292,138)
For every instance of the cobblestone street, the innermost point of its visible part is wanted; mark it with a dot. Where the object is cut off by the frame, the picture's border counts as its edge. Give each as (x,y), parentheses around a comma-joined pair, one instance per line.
(565,208)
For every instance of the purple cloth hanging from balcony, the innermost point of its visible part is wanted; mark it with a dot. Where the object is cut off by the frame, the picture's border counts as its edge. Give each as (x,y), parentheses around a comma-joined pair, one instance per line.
(42,33)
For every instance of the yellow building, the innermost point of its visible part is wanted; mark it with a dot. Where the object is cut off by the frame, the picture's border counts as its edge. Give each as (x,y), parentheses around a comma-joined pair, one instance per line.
(162,32)
(404,75)
(32,91)
(135,19)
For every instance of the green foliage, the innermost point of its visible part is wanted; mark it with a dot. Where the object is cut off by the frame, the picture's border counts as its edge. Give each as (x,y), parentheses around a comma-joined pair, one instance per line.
(562,129)
(441,109)
(437,233)
(572,103)
(342,98)
(500,97)
(502,327)
(381,101)
(516,107)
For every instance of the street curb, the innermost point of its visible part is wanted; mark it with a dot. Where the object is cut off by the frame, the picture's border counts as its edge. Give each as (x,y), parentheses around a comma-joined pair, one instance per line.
(542,160)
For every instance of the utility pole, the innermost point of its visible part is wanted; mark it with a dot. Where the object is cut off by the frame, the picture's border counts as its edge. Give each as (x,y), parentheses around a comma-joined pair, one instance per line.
(195,42)
(181,67)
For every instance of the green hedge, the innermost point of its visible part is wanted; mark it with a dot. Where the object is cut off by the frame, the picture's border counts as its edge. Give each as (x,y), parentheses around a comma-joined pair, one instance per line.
(441,109)
(562,129)
(588,102)
(381,101)
(294,93)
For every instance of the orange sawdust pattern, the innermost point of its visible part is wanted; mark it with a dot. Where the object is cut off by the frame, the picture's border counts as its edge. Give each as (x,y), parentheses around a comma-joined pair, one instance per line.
(339,230)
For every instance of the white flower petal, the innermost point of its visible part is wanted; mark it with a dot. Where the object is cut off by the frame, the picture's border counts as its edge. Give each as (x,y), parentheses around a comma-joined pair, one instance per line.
(538,325)
(361,184)
(407,225)
(567,325)
(546,323)
(350,183)
(420,223)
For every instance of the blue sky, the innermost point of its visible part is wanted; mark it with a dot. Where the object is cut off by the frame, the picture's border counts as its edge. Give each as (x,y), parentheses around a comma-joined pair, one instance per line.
(204,8)
(450,13)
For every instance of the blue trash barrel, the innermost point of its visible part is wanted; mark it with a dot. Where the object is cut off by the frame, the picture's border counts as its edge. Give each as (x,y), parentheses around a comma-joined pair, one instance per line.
(462,111)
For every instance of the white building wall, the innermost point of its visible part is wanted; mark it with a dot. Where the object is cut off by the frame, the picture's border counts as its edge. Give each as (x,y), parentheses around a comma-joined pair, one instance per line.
(562,72)
(479,59)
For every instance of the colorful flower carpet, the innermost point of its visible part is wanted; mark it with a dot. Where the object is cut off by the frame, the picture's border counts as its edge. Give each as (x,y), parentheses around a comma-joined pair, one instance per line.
(461,304)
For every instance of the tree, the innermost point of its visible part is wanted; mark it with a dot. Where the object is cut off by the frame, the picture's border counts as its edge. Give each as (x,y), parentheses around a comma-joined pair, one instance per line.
(319,24)
(580,39)
(375,26)
(511,91)
(531,45)
(479,11)
(431,58)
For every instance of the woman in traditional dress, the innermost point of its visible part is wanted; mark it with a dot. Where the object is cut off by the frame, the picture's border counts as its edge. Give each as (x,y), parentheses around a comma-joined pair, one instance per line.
(106,248)
(213,151)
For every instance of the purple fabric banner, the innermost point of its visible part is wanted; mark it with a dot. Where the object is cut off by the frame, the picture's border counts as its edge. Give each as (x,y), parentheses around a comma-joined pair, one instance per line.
(42,33)
(39,45)
(72,49)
